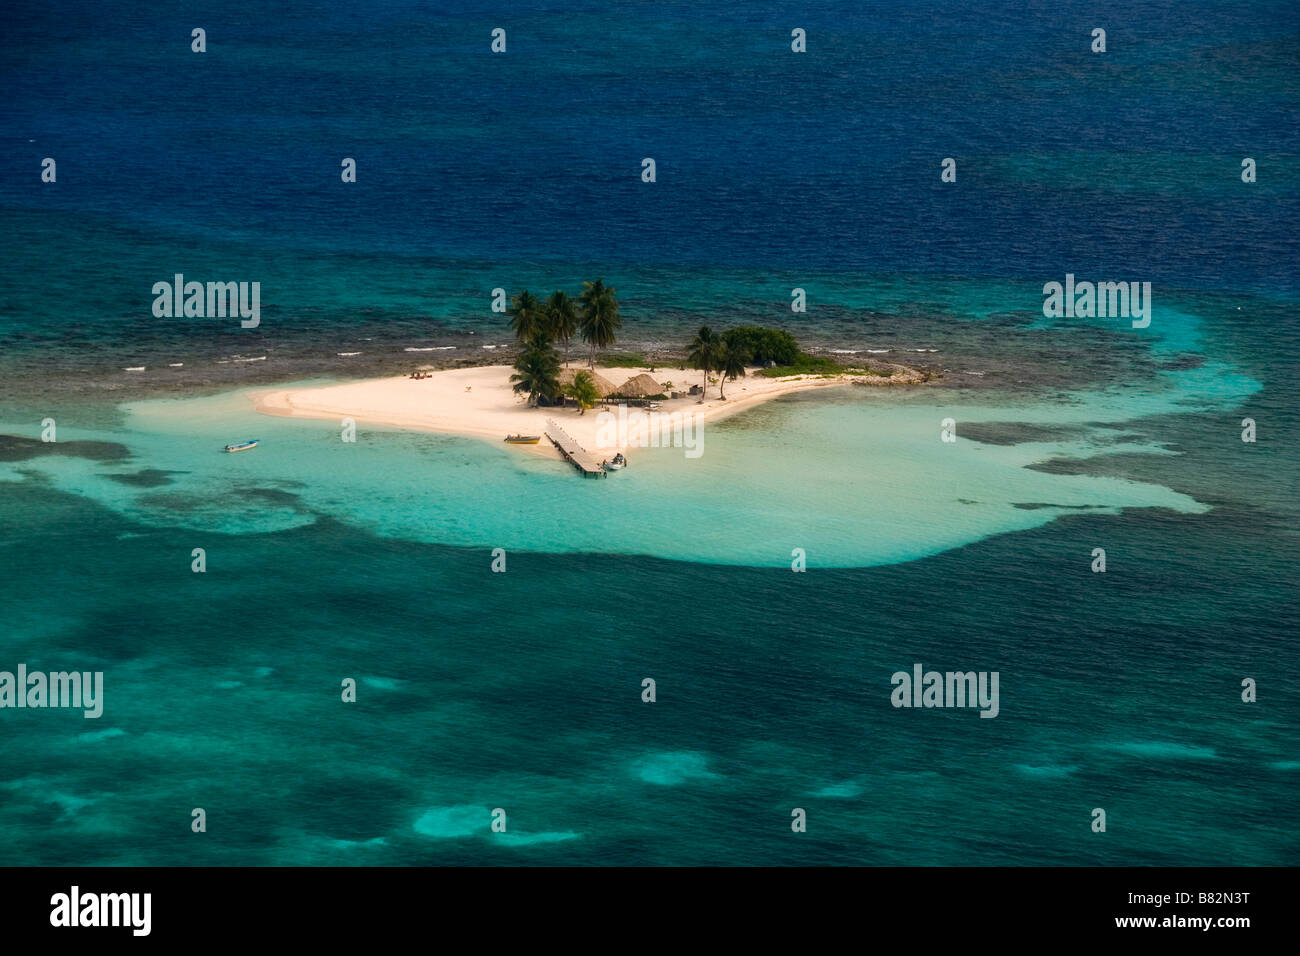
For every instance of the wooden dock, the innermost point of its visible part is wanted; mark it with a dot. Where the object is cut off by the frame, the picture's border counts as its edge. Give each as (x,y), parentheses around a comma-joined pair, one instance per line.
(574,453)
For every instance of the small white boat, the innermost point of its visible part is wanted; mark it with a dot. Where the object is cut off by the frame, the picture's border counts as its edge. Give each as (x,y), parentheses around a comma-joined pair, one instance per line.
(243,445)
(615,463)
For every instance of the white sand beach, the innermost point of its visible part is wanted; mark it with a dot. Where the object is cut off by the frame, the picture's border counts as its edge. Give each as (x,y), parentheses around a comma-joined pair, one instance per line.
(479,402)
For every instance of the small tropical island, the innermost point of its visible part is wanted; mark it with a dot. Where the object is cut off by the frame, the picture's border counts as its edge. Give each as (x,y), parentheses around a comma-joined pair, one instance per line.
(715,374)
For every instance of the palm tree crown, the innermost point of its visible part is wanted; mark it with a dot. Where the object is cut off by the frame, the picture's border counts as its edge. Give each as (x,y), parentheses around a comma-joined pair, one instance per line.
(600,319)
(731,364)
(561,319)
(527,317)
(704,353)
(583,390)
(537,370)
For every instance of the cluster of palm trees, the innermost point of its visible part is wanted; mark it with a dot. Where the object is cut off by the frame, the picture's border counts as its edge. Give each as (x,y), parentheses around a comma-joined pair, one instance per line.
(711,353)
(539,325)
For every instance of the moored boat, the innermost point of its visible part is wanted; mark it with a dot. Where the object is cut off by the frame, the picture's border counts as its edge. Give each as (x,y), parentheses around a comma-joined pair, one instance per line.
(615,463)
(523,439)
(243,445)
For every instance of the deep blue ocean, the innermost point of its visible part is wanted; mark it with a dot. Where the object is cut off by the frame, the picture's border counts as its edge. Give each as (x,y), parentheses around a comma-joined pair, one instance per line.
(522,691)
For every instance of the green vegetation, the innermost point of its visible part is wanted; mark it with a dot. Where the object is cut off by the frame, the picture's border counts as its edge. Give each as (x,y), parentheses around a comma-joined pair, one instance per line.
(539,325)
(600,320)
(730,365)
(729,353)
(527,317)
(805,364)
(757,345)
(624,360)
(537,370)
(705,350)
(595,316)
(561,319)
(583,391)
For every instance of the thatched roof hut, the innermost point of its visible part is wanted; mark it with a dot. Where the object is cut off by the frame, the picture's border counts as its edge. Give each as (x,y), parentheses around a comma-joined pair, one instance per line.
(640,386)
(603,385)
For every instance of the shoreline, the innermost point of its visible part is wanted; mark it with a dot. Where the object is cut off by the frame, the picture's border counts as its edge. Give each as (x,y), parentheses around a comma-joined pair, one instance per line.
(478,402)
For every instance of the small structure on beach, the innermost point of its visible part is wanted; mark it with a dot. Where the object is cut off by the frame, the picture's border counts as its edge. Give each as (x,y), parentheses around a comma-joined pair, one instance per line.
(639,386)
(604,387)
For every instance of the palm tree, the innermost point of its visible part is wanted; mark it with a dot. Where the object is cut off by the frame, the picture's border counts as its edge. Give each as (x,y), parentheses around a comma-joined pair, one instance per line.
(600,319)
(704,354)
(583,391)
(731,364)
(537,371)
(592,291)
(561,319)
(527,317)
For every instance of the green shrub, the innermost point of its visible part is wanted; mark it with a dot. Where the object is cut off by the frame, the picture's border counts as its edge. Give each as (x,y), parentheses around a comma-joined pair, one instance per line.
(622,360)
(805,365)
(760,345)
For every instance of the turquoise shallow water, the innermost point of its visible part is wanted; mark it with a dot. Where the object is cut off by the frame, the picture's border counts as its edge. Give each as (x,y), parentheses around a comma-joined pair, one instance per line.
(873,480)
(858,478)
